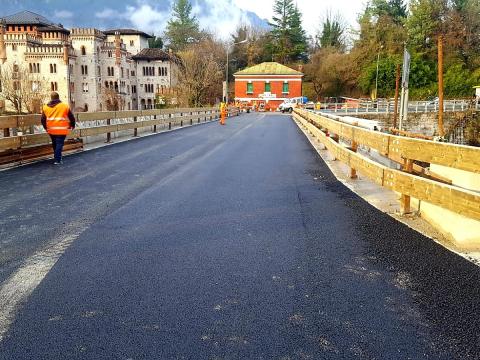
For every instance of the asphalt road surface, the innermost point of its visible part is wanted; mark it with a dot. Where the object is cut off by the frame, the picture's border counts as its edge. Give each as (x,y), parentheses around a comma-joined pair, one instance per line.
(215,242)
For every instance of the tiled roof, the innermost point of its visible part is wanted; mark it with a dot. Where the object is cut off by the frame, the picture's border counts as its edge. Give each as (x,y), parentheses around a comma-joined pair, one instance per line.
(27,18)
(127,32)
(268,68)
(154,54)
(54,28)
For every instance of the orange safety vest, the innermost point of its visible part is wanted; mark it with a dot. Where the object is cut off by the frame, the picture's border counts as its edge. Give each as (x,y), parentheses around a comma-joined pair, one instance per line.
(58,122)
(223,108)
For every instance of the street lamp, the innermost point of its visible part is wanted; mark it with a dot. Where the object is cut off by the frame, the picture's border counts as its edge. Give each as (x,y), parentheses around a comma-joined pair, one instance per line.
(226,71)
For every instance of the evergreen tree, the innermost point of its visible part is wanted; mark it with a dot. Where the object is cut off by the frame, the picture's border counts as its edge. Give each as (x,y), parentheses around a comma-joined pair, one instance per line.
(298,37)
(183,29)
(289,41)
(332,33)
(155,42)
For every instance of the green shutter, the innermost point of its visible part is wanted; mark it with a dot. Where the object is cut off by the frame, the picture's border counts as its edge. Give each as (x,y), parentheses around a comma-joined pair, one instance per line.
(249,88)
(285,88)
(267,87)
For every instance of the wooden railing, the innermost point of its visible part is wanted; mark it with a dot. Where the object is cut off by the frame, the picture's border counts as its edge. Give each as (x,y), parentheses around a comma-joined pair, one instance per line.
(112,122)
(462,201)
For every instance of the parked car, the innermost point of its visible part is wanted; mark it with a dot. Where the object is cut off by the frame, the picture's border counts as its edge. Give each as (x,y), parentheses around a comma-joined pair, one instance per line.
(289,104)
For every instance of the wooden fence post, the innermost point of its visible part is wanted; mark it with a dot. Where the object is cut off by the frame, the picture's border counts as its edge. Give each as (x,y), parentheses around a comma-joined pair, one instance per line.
(109,135)
(353,171)
(405,199)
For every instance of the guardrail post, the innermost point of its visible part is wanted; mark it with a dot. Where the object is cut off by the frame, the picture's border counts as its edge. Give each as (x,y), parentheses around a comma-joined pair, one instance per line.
(181,119)
(170,121)
(191,117)
(135,130)
(109,135)
(354,147)
(405,199)
(155,126)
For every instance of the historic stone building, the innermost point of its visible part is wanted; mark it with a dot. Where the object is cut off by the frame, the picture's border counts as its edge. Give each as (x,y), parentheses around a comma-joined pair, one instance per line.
(91,69)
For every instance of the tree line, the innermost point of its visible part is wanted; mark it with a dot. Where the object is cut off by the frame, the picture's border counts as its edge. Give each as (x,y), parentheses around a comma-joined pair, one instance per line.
(340,60)
(342,64)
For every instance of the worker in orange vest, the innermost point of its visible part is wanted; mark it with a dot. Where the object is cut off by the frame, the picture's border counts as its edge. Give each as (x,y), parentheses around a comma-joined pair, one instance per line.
(223,112)
(57,120)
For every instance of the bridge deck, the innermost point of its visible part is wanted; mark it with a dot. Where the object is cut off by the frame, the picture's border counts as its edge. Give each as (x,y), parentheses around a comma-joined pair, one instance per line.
(217,242)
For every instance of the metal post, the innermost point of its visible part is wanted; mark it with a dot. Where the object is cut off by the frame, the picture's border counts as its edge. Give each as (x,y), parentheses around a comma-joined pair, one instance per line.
(376,79)
(109,135)
(397,89)
(226,79)
(441,131)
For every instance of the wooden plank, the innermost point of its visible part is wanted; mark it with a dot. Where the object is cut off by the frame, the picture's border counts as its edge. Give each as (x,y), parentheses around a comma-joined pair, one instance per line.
(35,139)
(149,112)
(9,143)
(127,114)
(461,201)
(98,130)
(101,115)
(29,120)
(129,126)
(7,122)
(456,156)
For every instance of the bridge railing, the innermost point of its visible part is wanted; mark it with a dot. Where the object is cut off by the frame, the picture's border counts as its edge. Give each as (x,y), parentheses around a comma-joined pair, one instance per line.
(389,106)
(27,130)
(408,152)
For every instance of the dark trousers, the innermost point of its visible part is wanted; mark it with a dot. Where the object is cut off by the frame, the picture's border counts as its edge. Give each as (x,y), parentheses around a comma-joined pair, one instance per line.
(57,145)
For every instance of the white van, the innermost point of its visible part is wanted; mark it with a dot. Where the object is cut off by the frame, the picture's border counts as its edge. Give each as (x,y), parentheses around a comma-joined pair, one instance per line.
(289,104)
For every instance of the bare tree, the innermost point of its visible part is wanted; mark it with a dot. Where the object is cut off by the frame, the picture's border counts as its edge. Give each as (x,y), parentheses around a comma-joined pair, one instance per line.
(26,91)
(112,99)
(201,72)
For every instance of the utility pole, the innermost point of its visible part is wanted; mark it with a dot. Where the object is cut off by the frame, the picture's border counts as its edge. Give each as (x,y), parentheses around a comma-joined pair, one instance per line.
(397,88)
(441,131)
(376,77)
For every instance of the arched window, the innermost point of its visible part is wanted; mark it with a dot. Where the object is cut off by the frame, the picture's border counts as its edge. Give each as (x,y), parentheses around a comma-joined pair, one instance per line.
(83,50)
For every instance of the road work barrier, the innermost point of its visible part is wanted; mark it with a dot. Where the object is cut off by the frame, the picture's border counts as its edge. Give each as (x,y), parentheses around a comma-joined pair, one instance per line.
(24,132)
(410,152)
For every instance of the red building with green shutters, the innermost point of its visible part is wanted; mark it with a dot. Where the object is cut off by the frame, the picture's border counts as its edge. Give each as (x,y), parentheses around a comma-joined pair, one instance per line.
(270,83)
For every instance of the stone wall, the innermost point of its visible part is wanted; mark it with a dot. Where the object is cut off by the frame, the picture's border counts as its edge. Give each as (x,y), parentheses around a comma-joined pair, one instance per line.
(419,123)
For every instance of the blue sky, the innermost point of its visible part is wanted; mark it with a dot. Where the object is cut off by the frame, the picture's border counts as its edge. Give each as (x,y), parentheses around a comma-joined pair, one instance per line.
(219,16)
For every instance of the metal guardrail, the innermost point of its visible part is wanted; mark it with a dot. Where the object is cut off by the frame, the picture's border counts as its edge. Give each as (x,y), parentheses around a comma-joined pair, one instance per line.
(462,201)
(98,123)
(389,106)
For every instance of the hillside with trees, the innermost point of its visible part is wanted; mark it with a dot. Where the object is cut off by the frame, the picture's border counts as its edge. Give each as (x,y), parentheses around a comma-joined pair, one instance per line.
(340,60)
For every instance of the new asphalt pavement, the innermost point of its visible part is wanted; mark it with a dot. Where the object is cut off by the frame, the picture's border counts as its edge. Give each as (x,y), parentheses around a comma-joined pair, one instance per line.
(213,242)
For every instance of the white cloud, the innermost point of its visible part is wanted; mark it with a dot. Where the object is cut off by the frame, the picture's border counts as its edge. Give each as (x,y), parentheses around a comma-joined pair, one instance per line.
(147,18)
(223,16)
(63,14)
(312,10)
(108,13)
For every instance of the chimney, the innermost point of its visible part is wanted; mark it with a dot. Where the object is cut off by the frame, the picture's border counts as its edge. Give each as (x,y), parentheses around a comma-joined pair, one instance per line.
(3,49)
(118,54)
(65,53)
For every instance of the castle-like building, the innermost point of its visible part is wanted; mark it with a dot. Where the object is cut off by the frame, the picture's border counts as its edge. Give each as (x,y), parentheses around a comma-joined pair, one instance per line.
(91,69)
